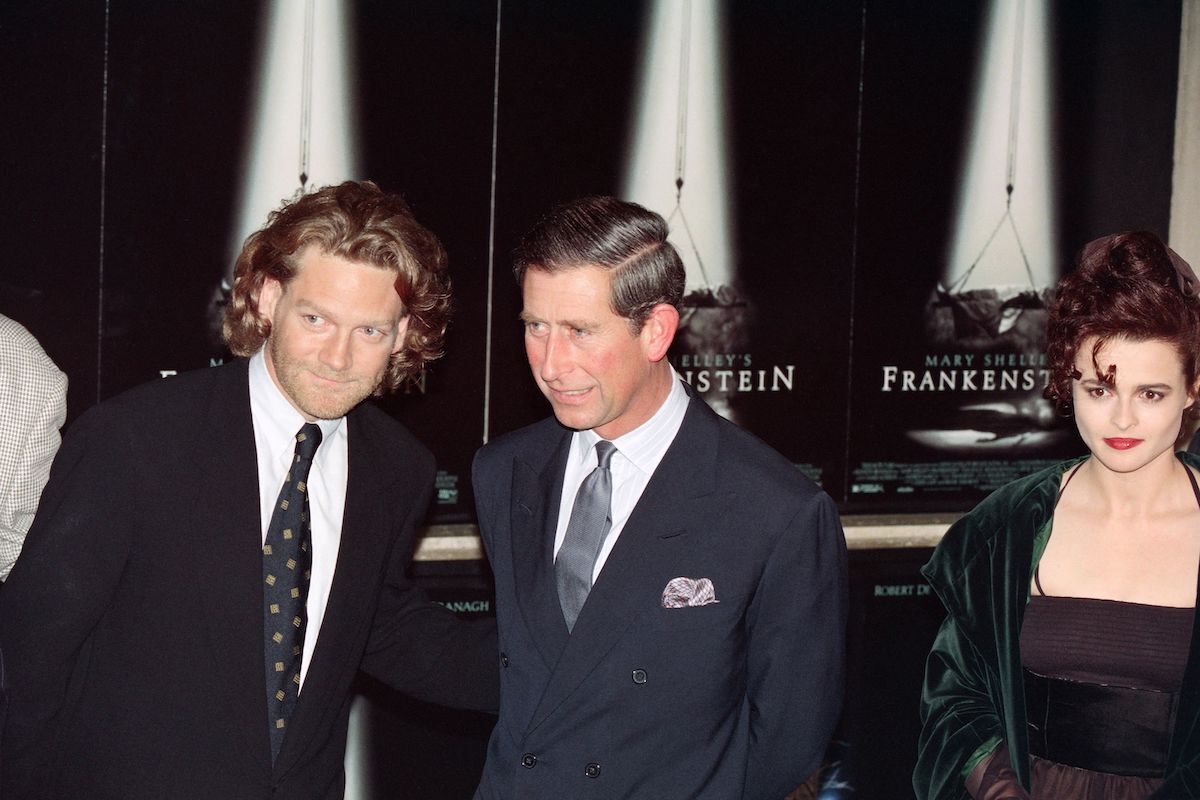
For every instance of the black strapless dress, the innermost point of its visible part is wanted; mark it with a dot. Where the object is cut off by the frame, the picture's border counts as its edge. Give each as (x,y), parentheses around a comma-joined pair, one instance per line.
(1102,679)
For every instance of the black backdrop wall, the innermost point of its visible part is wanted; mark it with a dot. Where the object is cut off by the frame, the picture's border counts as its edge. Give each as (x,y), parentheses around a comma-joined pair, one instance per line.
(848,147)
(845,146)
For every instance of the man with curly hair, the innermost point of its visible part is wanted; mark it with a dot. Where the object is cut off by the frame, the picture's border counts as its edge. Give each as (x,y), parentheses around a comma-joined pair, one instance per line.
(181,626)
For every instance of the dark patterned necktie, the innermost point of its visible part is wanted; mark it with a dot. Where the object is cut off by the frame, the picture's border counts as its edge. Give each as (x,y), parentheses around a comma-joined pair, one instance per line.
(287,566)
(591,519)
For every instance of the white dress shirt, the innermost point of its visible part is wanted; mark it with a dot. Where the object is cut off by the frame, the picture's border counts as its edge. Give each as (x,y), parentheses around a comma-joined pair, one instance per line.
(638,455)
(276,424)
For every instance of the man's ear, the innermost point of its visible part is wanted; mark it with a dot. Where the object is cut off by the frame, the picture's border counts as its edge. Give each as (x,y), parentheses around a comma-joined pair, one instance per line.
(401,334)
(268,296)
(659,331)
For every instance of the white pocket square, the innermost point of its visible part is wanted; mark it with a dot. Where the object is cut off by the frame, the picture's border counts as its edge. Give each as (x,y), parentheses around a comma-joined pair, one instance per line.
(688,592)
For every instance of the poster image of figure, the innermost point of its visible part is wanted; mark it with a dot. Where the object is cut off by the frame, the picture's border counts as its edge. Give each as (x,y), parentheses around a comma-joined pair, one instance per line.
(949,353)
(203,147)
(680,122)
(302,132)
(990,304)
(668,101)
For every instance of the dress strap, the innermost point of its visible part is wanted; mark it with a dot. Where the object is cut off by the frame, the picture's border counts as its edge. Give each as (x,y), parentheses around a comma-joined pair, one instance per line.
(1067,482)
(1037,571)
(1037,581)
(1192,478)
(1195,491)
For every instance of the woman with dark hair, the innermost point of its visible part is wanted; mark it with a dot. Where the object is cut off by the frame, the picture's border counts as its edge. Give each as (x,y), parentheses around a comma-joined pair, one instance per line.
(1069,664)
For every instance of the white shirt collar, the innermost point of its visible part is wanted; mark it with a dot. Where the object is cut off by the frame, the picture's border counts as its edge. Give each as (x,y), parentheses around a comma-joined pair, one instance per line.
(645,445)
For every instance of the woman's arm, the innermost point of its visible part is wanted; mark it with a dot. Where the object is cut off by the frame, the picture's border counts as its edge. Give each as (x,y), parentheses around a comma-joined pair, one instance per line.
(993,778)
(961,727)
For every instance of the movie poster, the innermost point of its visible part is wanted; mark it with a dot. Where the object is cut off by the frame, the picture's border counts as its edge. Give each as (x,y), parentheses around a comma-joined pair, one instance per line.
(873,201)
(218,114)
(981,122)
(737,124)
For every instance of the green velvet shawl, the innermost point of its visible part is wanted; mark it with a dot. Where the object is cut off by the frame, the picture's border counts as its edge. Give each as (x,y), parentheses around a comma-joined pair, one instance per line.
(974,695)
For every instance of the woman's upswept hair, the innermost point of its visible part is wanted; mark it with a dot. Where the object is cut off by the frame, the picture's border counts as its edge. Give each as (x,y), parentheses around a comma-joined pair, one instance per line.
(1127,286)
(358,222)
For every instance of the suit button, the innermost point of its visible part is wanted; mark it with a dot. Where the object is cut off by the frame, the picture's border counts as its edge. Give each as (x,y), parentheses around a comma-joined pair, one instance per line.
(592,770)
(639,676)
(529,761)
(504,659)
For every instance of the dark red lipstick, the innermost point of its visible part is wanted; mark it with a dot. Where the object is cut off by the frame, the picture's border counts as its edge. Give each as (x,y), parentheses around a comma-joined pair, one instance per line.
(1123,444)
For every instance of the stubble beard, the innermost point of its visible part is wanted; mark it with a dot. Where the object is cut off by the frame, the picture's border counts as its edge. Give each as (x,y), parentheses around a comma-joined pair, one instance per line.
(296,381)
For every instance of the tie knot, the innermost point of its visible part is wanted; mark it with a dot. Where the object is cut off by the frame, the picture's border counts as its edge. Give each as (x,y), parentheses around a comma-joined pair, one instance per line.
(604,453)
(307,440)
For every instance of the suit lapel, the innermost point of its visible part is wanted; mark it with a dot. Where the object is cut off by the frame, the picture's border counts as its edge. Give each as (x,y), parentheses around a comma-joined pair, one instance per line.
(537,490)
(229,566)
(680,497)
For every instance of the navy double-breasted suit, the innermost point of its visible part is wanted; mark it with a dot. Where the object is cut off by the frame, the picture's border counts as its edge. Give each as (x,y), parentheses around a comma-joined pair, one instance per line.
(734,699)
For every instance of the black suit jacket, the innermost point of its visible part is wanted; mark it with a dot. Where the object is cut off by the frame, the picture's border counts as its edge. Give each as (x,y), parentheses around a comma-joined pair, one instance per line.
(132,624)
(736,699)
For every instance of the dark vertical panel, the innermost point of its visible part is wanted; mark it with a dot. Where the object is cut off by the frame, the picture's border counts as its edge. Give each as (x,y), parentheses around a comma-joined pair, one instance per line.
(179,79)
(52,60)
(425,93)
(1118,65)
(795,73)
(566,91)
(893,619)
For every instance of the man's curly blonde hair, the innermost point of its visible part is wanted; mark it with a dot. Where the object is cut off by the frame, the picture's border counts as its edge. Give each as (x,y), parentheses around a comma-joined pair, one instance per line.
(359,222)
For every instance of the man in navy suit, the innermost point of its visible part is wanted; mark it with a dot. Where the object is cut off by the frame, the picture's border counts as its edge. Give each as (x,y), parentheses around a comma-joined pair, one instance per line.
(670,591)
(178,625)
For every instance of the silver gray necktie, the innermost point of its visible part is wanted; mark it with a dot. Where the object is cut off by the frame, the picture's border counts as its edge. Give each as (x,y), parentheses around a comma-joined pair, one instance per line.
(591,518)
